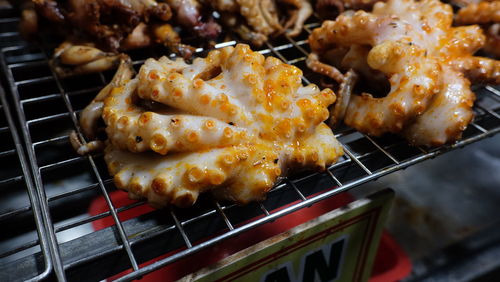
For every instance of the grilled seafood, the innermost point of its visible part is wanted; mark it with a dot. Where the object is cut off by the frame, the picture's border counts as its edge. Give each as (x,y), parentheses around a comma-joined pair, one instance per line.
(189,13)
(486,14)
(110,25)
(330,9)
(413,45)
(231,123)
(70,59)
(92,19)
(92,113)
(256,20)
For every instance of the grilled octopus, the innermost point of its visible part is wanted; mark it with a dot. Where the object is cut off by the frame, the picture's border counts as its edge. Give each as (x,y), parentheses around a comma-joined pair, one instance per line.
(255,20)
(428,63)
(190,14)
(486,14)
(231,123)
(115,26)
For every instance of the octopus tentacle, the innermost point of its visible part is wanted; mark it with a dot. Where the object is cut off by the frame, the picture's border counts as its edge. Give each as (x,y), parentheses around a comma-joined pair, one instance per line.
(453,102)
(466,40)
(256,20)
(300,16)
(92,113)
(411,89)
(130,127)
(73,59)
(187,88)
(480,13)
(343,98)
(252,11)
(487,14)
(428,63)
(87,148)
(318,150)
(180,178)
(411,74)
(189,14)
(316,65)
(479,70)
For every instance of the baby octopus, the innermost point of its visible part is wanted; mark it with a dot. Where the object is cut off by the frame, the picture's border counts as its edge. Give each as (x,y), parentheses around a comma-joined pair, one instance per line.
(73,59)
(232,123)
(256,20)
(428,63)
(486,14)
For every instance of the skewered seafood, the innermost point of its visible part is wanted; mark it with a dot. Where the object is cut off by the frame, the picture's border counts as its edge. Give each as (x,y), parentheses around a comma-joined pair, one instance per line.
(256,20)
(487,14)
(423,57)
(231,123)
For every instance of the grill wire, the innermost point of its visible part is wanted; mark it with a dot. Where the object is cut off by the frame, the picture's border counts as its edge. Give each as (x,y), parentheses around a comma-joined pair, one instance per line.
(65,183)
(19,204)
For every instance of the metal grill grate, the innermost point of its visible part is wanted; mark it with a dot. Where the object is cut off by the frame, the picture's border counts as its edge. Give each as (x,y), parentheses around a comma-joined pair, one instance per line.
(19,208)
(48,108)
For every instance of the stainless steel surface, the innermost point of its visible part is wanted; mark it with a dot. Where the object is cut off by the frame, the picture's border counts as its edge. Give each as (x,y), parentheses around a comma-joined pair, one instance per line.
(47,109)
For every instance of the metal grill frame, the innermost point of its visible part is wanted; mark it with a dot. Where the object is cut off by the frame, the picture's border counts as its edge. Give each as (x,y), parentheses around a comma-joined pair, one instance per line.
(222,210)
(33,205)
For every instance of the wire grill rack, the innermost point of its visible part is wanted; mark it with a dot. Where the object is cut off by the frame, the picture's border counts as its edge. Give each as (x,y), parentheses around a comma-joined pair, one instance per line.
(19,204)
(47,109)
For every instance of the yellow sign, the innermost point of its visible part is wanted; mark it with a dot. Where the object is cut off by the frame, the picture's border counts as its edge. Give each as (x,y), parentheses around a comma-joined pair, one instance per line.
(337,246)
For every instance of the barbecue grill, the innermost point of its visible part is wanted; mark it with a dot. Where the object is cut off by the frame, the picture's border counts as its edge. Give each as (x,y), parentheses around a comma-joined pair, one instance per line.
(53,186)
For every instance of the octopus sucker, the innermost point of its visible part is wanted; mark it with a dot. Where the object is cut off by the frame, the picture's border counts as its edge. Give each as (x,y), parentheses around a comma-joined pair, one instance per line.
(87,148)
(174,132)
(397,60)
(428,64)
(193,172)
(314,63)
(433,126)
(132,127)
(91,114)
